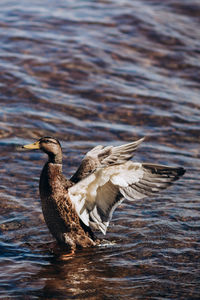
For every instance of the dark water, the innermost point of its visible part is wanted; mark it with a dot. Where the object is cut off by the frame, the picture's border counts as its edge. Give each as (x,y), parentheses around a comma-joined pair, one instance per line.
(101,72)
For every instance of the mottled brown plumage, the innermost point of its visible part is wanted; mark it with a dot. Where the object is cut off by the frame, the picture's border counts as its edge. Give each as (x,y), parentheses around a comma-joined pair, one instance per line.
(73,208)
(60,217)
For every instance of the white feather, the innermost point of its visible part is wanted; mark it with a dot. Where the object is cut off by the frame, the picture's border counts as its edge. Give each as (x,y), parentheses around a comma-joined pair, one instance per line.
(94,196)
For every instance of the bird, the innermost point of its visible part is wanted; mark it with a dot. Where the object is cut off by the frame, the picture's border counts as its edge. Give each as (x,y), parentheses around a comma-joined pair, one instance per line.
(74,209)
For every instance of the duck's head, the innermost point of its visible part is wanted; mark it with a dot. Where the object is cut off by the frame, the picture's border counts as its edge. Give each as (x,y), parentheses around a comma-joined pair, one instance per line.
(50,146)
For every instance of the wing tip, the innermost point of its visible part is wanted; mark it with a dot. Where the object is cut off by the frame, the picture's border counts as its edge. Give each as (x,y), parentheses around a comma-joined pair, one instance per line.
(138,142)
(180,171)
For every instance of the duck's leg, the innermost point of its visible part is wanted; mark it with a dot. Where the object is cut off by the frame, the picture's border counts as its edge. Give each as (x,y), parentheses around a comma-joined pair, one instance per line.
(68,255)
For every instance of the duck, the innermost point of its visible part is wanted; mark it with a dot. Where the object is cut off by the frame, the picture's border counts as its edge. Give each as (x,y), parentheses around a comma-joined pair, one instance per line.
(75,209)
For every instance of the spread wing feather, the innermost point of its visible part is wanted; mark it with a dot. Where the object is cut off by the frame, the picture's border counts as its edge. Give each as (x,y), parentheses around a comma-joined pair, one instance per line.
(96,197)
(101,156)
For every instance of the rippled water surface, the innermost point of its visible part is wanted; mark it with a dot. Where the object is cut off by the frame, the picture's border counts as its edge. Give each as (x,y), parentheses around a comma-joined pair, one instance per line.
(101,72)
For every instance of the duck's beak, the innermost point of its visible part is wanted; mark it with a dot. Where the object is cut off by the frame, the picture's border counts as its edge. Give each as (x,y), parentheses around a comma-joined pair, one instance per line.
(33,146)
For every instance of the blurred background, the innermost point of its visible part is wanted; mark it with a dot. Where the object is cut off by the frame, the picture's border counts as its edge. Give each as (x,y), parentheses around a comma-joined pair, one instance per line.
(101,72)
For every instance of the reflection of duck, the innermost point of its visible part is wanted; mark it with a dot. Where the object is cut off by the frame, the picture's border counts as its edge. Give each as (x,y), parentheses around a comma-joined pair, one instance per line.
(73,208)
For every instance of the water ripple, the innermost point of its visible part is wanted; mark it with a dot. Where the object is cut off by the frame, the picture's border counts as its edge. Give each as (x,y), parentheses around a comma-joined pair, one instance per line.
(89,73)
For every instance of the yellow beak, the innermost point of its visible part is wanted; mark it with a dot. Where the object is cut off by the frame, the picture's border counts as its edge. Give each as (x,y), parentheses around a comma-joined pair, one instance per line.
(33,146)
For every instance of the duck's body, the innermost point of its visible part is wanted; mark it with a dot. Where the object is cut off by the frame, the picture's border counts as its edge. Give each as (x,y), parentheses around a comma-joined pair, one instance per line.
(73,208)
(58,210)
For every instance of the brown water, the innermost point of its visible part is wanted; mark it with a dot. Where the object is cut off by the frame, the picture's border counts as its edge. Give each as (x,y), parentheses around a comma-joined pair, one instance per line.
(101,72)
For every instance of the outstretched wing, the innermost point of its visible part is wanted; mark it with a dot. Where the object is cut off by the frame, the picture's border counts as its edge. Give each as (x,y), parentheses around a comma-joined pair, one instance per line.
(101,156)
(96,197)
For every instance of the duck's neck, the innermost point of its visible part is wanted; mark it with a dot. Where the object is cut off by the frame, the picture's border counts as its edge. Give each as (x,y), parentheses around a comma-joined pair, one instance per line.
(55,159)
(51,178)
(54,170)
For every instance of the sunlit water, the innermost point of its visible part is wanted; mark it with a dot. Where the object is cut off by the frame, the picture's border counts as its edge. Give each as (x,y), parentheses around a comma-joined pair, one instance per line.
(101,72)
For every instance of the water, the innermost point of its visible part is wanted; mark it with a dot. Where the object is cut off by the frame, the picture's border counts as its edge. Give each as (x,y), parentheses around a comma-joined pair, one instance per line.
(101,72)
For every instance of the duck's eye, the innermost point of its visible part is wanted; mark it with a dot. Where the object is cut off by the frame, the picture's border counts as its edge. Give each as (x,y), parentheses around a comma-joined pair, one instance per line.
(49,142)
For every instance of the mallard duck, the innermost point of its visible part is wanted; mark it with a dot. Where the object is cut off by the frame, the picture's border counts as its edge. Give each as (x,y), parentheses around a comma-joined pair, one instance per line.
(73,209)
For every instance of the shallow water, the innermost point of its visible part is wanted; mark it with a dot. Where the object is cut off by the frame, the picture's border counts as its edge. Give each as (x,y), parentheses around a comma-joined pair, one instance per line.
(101,72)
